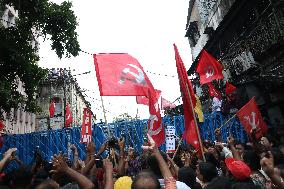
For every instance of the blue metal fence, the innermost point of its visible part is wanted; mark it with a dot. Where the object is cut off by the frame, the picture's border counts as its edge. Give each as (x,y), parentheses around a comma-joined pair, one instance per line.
(54,141)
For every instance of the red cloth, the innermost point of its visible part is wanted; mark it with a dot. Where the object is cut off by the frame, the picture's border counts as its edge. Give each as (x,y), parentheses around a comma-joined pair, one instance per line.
(155,127)
(86,130)
(238,168)
(122,75)
(1,125)
(190,133)
(68,116)
(230,88)
(213,92)
(250,117)
(144,100)
(166,104)
(1,141)
(208,68)
(51,109)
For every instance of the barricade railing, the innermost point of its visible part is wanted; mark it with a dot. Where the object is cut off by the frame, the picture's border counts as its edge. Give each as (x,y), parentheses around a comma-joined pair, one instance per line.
(54,141)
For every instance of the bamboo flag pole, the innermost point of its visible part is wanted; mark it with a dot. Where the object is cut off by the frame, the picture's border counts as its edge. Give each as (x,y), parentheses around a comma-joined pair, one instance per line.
(227,121)
(196,126)
(180,141)
(104,111)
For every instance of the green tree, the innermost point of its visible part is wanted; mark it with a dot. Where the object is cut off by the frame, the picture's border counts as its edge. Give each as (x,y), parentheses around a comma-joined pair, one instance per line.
(17,57)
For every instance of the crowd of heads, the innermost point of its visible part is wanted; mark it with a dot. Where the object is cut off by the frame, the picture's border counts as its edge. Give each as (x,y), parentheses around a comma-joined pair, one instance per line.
(257,164)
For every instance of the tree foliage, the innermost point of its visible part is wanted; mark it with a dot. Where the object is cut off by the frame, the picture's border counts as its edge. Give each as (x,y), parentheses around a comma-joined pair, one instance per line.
(18,59)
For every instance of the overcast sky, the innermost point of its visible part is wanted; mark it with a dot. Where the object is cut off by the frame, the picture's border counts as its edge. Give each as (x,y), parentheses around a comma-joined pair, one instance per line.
(146,29)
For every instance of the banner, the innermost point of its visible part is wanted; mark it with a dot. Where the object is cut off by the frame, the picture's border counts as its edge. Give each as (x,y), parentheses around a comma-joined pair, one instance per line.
(170,139)
(86,132)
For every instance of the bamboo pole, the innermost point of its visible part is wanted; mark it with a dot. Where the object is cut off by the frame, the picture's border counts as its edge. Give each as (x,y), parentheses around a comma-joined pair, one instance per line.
(196,126)
(227,121)
(104,111)
(180,141)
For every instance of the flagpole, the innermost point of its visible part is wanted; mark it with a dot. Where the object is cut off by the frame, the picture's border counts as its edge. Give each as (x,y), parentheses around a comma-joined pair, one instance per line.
(196,126)
(227,121)
(104,111)
(179,143)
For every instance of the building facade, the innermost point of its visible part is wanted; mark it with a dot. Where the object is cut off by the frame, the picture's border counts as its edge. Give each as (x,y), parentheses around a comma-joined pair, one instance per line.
(246,36)
(17,121)
(62,89)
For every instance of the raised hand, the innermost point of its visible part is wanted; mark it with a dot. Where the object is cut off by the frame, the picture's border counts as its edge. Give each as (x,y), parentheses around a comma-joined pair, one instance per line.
(91,147)
(59,165)
(153,147)
(121,143)
(267,163)
(9,154)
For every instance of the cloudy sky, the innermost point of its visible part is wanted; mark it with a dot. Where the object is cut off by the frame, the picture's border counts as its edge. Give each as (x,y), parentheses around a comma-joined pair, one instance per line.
(146,29)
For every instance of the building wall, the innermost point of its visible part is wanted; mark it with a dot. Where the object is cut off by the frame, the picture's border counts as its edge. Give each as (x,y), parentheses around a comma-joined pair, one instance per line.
(207,16)
(247,38)
(53,88)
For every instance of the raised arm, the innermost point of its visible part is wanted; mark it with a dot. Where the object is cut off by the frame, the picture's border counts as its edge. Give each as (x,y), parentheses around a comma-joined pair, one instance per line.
(7,157)
(75,155)
(170,182)
(121,161)
(108,174)
(60,166)
(267,164)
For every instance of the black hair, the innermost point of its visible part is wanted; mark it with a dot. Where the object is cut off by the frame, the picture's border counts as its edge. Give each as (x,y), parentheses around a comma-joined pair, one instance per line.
(143,178)
(281,169)
(270,139)
(244,185)
(277,156)
(252,159)
(220,183)
(21,177)
(211,159)
(208,171)
(48,184)
(154,166)
(187,175)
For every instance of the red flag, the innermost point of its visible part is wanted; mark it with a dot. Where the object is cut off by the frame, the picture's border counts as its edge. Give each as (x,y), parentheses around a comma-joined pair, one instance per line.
(155,127)
(230,88)
(166,104)
(68,116)
(1,125)
(250,117)
(86,131)
(209,68)
(213,92)
(144,100)
(122,75)
(190,133)
(52,109)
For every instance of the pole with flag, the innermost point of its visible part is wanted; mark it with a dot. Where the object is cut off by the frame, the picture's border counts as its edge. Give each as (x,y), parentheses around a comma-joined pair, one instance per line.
(104,111)
(191,133)
(120,74)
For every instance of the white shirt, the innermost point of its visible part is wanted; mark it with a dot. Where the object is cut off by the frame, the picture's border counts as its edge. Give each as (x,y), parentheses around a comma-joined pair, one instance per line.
(180,185)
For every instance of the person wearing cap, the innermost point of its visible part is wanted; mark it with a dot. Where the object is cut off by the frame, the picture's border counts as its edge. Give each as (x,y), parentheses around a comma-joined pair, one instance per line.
(123,183)
(238,169)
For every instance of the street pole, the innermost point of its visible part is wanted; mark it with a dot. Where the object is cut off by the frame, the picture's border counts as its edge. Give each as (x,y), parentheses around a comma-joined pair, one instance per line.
(64,98)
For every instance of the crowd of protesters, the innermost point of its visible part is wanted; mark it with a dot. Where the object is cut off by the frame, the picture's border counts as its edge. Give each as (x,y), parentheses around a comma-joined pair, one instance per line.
(228,164)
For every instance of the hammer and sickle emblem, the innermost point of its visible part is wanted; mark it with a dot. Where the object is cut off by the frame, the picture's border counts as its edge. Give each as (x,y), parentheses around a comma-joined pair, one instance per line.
(209,72)
(152,132)
(252,121)
(126,74)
